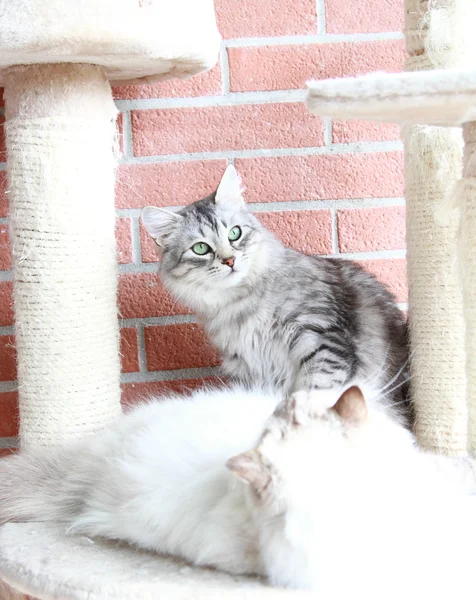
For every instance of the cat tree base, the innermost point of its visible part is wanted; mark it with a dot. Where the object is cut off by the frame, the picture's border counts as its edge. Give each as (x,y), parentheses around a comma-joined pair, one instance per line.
(40,560)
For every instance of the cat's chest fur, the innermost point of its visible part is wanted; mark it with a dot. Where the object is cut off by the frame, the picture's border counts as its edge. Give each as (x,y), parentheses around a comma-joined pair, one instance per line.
(253,344)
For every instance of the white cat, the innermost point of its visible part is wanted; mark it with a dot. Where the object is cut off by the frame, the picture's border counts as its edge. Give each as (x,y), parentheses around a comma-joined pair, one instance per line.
(320,494)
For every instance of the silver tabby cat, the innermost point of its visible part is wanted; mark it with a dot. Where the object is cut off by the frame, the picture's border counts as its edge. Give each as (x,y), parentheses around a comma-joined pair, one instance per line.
(281,319)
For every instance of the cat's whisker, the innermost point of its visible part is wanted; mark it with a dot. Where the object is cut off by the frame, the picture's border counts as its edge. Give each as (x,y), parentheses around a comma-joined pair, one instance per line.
(396,387)
(395,377)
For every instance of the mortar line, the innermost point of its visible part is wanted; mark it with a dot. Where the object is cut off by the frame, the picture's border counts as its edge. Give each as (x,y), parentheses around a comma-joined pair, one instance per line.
(135,238)
(8,386)
(339,149)
(320,38)
(141,351)
(225,69)
(327,128)
(158,321)
(353,203)
(224,99)
(321,16)
(128,212)
(335,233)
(8,330)
(285,205)
(174,375)
(7,443)
(127,134)
(139,268)
(376,255)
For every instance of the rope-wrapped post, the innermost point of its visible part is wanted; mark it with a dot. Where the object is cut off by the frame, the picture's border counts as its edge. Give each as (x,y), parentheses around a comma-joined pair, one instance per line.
(432,167)
(60,136)
(467,202)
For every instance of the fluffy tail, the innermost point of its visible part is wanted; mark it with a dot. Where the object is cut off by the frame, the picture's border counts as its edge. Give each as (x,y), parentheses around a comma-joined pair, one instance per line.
(45,486)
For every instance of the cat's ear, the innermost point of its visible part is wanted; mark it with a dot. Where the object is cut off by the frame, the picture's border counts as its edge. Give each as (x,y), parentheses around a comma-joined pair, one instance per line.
(249,468)
(230,190)
(352,407)
(159,222)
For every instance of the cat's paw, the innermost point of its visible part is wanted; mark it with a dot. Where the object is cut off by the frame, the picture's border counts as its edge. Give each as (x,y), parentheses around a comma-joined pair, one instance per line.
(311,404)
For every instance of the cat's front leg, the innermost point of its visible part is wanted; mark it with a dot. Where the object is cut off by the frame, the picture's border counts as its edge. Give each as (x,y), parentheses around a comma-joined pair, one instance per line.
(237,371)
(323,365)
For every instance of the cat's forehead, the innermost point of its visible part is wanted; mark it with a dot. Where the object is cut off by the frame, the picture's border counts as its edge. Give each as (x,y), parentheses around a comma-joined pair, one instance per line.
(206,215)
(283,435)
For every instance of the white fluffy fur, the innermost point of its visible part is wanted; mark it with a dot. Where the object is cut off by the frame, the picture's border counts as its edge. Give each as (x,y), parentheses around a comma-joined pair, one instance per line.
(329,500)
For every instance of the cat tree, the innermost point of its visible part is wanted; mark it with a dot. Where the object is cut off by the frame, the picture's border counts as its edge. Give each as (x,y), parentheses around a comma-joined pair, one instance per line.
(436,102)
(56,58)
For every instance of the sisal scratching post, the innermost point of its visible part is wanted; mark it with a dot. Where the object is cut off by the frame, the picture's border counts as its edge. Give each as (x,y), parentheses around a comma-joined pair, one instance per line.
(60,129)
(56,60)
(435,300)
(467,202)
(432,99)
(432,168)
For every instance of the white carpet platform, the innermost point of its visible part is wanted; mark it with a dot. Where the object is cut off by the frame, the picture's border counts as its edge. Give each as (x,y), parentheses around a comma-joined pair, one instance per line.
(40,560)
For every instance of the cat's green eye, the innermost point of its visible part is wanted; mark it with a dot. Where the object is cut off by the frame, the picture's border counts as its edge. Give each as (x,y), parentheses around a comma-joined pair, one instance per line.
(201,248)
(234,233)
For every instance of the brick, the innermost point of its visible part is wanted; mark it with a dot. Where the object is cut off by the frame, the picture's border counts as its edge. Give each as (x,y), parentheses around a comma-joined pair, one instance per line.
(124,240)
(289,67)
(143,295)
(167,184)
(6,303)
(5,249)
(3,150)
(182,346)
(137,392)
(3,194)
(148,246)
(324,177)
(255,18)
(364,16)
(371,229)
(9,414)
(8,358)
(205,84)
(391,272)
(221,128)
(344,132)
(129,350)
(308,231)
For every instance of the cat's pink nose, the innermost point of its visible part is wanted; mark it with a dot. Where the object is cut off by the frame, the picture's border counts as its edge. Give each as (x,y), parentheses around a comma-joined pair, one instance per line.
(229,261)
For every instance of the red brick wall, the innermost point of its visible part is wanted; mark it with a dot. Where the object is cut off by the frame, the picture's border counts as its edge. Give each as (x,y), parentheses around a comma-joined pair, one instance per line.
(323,186)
